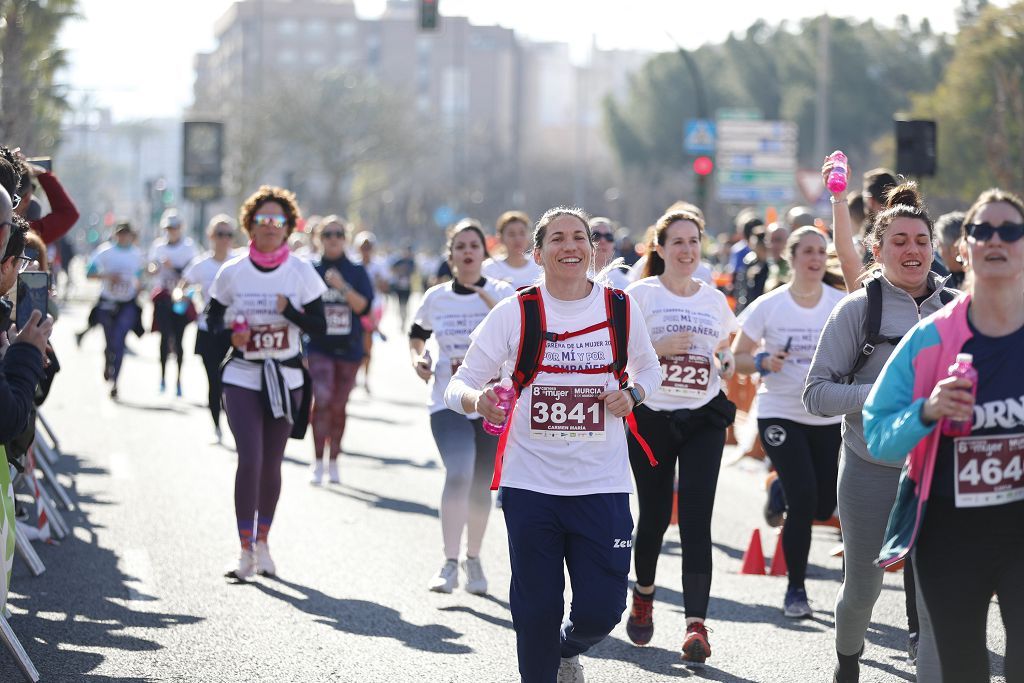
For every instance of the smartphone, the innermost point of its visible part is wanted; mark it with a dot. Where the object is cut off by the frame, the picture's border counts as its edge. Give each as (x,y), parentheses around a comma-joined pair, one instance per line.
(43,162)
(789,343)
(33,295)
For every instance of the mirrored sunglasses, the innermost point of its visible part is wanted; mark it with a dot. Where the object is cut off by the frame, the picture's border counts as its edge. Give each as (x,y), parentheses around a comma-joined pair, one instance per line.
(274,220)
(606,236)
(1008,232)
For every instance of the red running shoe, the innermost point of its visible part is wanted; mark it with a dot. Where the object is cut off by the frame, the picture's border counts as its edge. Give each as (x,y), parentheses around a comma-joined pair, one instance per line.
(696,647)
(640,626)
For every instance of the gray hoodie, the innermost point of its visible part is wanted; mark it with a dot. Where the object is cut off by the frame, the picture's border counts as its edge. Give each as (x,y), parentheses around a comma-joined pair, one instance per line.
(841,341)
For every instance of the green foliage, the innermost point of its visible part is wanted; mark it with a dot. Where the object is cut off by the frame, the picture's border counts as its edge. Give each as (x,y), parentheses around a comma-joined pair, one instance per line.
(33,102)
(874,71)
(979,106)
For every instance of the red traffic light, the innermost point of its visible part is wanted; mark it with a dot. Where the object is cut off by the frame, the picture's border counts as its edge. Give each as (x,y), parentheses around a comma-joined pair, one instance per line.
(703,165)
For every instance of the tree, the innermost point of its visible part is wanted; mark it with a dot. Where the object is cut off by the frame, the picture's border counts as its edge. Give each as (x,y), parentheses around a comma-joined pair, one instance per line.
(979,106)
(31,102)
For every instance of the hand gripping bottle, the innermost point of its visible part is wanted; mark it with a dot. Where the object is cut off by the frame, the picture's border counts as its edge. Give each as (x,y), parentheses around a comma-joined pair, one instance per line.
(506,397)
(963,367)
(837,176)
(239,325)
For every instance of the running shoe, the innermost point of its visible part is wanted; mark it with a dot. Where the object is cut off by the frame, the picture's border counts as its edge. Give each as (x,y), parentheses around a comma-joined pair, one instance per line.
(245,568)
(332,472)
(695,646)
(570,671)
(476,582)
(775,505)
(912,641)
(113,392)
(179,390)
(447,579)
(317,472)
(640,625)
(163,386)
(264,562)
(796,605)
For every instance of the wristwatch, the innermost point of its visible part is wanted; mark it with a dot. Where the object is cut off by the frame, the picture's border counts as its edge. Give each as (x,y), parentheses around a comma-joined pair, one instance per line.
(634,394)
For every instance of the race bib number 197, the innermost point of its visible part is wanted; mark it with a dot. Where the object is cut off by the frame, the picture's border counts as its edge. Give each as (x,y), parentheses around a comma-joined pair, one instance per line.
(267,341)
(568,413)
(989,470)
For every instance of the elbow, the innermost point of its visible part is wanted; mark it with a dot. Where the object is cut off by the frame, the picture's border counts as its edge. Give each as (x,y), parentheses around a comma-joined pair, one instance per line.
(811,399)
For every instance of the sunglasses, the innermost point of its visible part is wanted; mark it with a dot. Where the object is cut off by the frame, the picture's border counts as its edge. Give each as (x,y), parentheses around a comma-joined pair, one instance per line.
(277,220)
(598,236)
(24,262)
(225,235)
(1008,232)
(332,233)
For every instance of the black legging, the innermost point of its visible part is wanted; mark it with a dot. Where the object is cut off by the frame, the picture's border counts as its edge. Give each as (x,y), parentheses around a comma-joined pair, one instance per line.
(213,348)
(172,333)
(962,557)
(697,445)
(807,460)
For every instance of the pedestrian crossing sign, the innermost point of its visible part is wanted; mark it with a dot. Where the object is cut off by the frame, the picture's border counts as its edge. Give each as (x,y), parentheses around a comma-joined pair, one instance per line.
(699,136)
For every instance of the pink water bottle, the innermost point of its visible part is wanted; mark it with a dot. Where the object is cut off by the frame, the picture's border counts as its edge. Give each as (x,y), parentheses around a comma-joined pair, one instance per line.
(240,325)
(963,367)
(837,176)
(506,397)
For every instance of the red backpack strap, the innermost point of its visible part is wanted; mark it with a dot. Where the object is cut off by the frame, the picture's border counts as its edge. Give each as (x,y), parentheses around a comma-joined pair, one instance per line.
(528,361)
(617,304)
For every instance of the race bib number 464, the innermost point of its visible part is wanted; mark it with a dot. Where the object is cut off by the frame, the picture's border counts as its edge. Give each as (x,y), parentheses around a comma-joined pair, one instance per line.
(568,413)
(989,470)
(687,375)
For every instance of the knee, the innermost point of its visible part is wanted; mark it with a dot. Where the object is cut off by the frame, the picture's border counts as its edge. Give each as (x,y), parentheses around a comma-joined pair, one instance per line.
(458,480)
(600,614)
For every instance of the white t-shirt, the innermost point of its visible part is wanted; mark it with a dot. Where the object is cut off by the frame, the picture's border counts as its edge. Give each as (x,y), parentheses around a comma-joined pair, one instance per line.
(617,278)
(690,380)
(125,262)
(562,441)
(452,317)
(517,277)
(250,292)
(772,320)
(201,272)
(703,272)
(180,254)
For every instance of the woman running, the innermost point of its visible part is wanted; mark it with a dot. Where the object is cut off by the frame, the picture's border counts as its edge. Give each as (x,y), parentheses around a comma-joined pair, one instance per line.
(785,324)
(690,324)
(274,297)
(335,356)
(451,311)
(514,234)
(565,466)
(212,348)
(169,256)
(903,290)
(960,505)
(376,269)
(118,266)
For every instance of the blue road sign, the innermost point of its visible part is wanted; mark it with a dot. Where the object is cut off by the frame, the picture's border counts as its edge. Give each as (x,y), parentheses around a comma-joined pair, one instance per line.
(699,136)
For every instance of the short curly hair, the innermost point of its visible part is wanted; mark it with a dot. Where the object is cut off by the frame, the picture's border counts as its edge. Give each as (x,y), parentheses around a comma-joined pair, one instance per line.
(270,193)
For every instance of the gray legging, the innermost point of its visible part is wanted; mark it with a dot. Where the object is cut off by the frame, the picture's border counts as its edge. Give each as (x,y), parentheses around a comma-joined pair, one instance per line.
(467,452)
(866,495)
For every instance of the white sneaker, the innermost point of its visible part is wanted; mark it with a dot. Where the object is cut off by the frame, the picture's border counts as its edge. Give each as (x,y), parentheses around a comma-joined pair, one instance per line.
(264,562)
(317,472)
(245,568)
(476,582)
(447,579)
(570,671)
(332,472)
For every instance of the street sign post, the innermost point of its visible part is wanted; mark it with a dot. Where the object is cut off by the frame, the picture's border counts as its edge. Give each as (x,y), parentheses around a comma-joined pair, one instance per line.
(699,136)
(756,161)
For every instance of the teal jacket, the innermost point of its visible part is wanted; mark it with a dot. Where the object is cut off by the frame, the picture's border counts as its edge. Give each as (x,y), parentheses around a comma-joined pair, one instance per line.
(892,417)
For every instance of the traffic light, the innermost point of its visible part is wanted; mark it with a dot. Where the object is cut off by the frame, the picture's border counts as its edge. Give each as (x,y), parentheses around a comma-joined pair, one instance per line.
(428,15)
(703,165)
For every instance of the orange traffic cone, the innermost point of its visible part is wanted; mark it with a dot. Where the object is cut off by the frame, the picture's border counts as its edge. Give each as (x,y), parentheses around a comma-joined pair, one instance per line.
(753,559)
(674,521)
(895,567)
(779,559)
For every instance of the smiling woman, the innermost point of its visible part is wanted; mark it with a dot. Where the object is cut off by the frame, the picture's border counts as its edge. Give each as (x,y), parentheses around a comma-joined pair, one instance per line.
(968,488)
(562,460)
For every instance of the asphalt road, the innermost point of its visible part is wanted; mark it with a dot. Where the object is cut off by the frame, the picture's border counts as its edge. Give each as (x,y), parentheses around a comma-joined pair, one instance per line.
(137,593)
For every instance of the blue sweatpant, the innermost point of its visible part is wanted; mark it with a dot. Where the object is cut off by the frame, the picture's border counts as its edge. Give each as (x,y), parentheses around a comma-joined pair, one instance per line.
(592,536)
